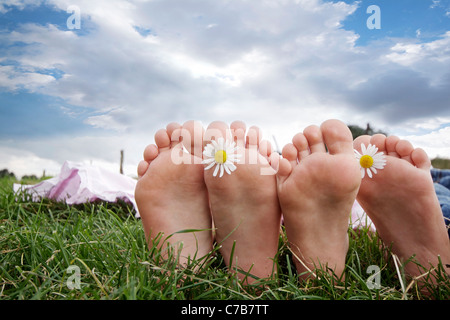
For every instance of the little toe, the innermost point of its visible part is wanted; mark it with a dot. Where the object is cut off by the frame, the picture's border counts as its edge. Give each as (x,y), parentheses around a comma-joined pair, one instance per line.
(420,159)
(142,168)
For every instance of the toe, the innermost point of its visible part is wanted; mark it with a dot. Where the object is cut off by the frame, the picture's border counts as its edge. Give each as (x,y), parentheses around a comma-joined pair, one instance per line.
(192,137)
(283,168)
(391,146)
(173,130)
(238,133)
(290,154)
(364,139)
(379,141)
(404,150)
(238,125)
(150,153)
(274,161)
(216,130)
(420,159)
(252,143)
(337,137)
(162,139)
(265,148)
(267,167)
(254,135)
(315,140)
(142,168)
(301,144)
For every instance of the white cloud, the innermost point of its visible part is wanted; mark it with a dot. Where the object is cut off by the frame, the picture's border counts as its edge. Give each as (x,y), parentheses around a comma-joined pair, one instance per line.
(426,124)
(13,79)
(22,162)
(409,54)
(6,5)
(435,143)
(435,3)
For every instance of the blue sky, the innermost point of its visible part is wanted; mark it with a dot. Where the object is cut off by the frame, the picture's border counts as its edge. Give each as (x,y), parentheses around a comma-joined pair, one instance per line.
(401,19)
(134,66)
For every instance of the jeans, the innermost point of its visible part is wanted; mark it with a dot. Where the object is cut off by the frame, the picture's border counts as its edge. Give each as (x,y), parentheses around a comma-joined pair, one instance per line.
(441,179)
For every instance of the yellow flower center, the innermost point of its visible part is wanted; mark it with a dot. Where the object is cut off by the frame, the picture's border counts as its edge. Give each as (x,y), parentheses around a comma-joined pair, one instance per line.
(220,156)
(366,161)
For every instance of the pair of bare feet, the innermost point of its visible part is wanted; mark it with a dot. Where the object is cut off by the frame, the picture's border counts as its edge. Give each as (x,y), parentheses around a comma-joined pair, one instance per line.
(313,186)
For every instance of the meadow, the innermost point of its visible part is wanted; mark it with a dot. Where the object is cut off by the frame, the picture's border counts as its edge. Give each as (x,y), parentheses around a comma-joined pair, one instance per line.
(52,251)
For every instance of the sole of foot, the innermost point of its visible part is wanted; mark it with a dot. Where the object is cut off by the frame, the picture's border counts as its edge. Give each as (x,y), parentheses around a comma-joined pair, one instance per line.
(402,203)
(244,204)
(318,179)
(171,193)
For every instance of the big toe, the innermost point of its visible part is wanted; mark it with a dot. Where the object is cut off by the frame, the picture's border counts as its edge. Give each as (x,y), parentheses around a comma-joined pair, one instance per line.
(337,137)
(190,134)
(216,130)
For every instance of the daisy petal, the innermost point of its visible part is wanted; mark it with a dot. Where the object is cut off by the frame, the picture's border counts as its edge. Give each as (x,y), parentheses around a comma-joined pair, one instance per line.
(231,166)
(363,148)
(210,166)
(216,170)
(208,161)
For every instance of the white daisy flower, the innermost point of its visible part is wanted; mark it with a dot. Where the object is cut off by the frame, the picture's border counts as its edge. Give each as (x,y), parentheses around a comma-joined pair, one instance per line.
(370,160)
(222,154)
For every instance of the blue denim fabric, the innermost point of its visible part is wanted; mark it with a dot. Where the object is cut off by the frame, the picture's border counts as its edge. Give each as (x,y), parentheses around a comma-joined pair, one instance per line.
(441,176)
(441,180)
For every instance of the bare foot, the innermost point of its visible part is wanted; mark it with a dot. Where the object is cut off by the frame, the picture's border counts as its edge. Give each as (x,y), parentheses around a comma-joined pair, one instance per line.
(317,190)
(402,203)
(244,204)
(171,193)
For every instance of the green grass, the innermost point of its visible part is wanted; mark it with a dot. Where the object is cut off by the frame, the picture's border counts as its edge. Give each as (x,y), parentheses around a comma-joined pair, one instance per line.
(441,163)
(39,242)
